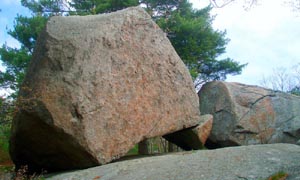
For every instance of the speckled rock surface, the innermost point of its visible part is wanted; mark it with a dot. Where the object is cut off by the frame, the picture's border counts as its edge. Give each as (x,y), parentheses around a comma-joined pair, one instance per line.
(97,85)
(253,162)
(245,114)
(203,130)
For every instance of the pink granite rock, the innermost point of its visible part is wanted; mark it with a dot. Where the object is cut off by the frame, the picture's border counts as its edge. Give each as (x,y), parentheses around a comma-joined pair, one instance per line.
(96,86)
(245,114)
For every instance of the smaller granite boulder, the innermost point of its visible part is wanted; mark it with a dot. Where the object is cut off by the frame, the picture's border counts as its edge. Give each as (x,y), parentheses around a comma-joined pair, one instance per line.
(245,114)
(192,138)
(203,130)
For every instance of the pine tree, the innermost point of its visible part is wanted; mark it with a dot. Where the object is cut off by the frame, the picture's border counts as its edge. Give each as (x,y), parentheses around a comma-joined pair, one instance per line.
(198,44)
(189,30)
(85,7)
(16,60)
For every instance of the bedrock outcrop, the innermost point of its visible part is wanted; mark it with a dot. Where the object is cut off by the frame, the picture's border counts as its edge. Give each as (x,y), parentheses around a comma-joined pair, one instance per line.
(232,163)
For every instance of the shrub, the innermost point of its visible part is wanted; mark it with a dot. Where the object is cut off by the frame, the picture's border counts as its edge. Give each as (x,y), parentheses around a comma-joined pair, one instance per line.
(279,176)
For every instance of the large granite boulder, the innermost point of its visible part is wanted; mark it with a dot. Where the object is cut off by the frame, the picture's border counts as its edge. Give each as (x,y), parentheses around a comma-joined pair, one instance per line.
(232,163)
(96,86)
(245,114)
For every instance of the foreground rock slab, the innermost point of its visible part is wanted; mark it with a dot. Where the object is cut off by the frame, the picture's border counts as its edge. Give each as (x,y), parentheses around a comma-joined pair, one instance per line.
(96,86)
(235,163)
(245,114)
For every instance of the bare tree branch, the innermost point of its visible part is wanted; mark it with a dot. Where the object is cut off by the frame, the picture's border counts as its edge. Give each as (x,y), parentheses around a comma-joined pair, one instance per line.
(295,4)
(281,80)
(221,3)
(217,5)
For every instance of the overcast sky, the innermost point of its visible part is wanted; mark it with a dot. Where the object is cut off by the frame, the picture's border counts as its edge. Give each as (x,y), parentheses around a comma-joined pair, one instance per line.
(266,36)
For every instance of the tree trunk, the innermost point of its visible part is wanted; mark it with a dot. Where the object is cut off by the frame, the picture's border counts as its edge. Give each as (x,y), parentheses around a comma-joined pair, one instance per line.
(143,147)
(171,147)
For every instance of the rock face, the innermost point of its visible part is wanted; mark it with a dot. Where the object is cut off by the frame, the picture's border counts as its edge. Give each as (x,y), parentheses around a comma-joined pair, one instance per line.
(246,114)
(233,163)
(96,86)
(202,131)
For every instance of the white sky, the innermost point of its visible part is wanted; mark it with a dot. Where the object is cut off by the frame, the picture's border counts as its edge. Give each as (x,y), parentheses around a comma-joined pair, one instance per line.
(266,36)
